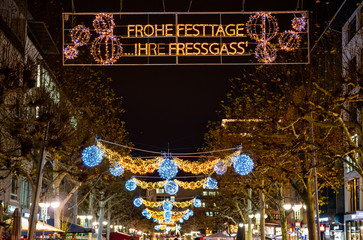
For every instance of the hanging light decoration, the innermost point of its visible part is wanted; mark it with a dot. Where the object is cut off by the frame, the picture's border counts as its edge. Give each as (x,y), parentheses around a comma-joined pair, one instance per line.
(137,202)
(243,164)
(262,27)
(220,168)
(298,24)
(155,219)
(289,40)
(265,52)
(144,212)
(106,50)
(167,205)
(211,183)
(131,185)
(186,217)
(171,187)
(117,170)
(80,35)
(190,212)
(197,202)
(168,169)
(167,216)
(157,228)
(167,228)
(148,216)
(181,220)
(104,24)
(70,52)
(92,156)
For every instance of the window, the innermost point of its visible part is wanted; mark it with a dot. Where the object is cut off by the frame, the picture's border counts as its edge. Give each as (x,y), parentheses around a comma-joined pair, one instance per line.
(160,198)
(353,194)
(24,194)
(159,191)
(14,188)
(172,198)
(352,68)
(205,193)
(212,193)
(38,76)
(352,29)
(203,204)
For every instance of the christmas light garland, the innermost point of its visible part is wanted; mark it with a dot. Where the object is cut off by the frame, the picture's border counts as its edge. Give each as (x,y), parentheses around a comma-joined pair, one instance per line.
(139,201)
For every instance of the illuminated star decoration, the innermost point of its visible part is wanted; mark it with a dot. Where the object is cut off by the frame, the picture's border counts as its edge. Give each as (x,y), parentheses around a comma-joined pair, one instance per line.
(298,24)
(131,185)
(137,202)
(220,168)
(197,202)
(167,205)
(92,156)
(171,187)
(117,170)
(243,164)
(289,40)
(211,183)
(168,169)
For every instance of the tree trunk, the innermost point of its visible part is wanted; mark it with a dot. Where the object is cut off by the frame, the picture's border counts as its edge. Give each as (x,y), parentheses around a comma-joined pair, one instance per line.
(309,201)
(283,217)
(262,216)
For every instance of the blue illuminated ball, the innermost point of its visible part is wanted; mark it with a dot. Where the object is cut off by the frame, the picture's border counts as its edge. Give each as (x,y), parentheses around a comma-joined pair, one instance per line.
(243,164)
(179,227)
(155,220)
(137,202)
(190,213)
(157,228)
(186,216)
(148,216)
(168,169)
(171,187)
(167,205)
(220,168)
(181,220)
(144,212)
(197,202)
(117,170)
(211,183)
(130,185)
(167,216)
(92,156)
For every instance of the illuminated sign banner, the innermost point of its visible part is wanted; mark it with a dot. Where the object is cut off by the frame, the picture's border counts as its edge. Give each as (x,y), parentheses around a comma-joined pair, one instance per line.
(185,38)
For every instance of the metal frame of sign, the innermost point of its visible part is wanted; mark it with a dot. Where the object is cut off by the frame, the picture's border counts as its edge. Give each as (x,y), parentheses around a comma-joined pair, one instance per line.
(69,20)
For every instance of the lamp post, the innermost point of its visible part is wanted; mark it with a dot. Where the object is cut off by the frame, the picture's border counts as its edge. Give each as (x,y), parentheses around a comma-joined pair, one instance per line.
(44,206)
(297,214)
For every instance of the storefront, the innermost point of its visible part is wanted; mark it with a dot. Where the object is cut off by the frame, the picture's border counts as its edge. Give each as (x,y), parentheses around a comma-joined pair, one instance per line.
(354,226)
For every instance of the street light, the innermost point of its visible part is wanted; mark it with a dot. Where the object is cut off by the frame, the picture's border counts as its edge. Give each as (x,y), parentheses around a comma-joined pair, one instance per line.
(44,206)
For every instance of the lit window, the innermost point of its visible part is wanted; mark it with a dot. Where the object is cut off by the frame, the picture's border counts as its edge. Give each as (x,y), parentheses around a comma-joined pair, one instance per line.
(14,188)
(203,204)
(159,191)
(207,213)
(205,193)
(38,76)
(172,198)
(212,193)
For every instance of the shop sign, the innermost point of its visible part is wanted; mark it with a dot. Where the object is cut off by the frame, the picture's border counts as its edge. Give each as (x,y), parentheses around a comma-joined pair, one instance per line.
(322,227)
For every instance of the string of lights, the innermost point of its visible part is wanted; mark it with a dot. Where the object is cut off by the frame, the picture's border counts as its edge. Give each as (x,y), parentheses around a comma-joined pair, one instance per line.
(139,201)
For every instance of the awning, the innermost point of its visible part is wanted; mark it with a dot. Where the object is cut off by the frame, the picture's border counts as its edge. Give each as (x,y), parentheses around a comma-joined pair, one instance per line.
(39,228)
(219,235)
(74,228)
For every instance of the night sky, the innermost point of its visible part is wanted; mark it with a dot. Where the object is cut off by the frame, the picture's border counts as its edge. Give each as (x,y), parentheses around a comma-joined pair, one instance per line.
(171,105)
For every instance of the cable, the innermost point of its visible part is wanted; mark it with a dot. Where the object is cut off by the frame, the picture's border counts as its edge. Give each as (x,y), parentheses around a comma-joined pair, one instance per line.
(190,5)
(181,154)
(155,177)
